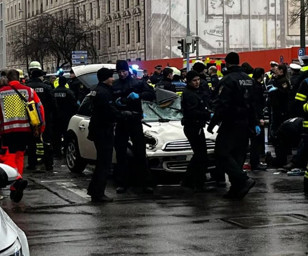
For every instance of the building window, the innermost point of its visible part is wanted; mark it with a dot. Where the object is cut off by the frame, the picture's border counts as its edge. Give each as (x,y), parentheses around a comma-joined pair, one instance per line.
(127,34)
(138,32)
(98,8)
(109,37)
(46,2)
(118,35)
(108,6)
(98,40)
(137,2)
(8,14)
(78,14)
(118,5)
(84,13)
(91,11)
(127,4)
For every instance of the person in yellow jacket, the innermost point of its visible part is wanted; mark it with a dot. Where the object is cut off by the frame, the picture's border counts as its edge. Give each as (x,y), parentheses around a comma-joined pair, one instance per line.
(56,81)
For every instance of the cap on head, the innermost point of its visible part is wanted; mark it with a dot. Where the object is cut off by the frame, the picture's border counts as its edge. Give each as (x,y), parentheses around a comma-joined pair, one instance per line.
(37,73)
(158,67)
(104,73)
(122,65)
(191,75)
(295,66)
(35,64)
(232,58)
(198,67)
(274,63)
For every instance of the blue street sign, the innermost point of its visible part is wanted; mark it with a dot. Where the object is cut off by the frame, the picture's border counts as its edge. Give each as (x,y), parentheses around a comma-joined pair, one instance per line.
(301,52)
(79,57)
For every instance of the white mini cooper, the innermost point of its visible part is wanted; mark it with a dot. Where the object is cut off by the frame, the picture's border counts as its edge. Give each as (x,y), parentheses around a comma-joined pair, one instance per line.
(167,148)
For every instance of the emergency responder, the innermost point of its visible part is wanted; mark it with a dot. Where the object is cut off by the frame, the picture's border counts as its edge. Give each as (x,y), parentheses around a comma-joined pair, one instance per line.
(15,127)
(101,128)
(56,82)
(128,93)
(199,67)
(288,137)
(158,75)
(247,68)
(46,96)
(295,80)
(166,82)
(183,74)
(269,76)
(257,145)
(234,110)
(214,82)
(66,107)
(77,87)
(195,115)
(279,100)
(301,106)
(145,76)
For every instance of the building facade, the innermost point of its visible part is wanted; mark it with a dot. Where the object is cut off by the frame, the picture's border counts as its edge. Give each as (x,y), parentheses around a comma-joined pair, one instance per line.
(150,29)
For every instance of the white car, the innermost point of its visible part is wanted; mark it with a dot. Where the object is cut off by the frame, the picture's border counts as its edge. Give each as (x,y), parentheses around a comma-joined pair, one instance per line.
(167,147)
(13,240)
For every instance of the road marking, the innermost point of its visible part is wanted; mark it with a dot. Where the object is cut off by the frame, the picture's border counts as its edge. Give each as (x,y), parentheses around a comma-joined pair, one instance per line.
(74,188)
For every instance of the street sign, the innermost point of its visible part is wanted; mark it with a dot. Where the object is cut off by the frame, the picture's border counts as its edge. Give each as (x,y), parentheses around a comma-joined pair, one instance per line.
(79,57)
(301,52)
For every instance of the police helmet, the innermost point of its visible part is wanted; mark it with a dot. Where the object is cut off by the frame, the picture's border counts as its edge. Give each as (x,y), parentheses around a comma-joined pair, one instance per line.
(35,64)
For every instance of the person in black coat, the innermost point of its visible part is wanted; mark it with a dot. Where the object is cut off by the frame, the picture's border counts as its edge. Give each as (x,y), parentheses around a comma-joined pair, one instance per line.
(166,82)
(235,113)
(66,107)
(101,131)
(45,93)
(128,93)
(77,87)
(195,114)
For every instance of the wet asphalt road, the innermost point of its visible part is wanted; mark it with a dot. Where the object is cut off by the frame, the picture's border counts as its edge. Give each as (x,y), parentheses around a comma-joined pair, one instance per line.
(59,219)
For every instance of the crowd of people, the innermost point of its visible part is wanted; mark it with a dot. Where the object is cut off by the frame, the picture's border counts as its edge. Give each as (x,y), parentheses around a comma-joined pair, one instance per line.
(236,103)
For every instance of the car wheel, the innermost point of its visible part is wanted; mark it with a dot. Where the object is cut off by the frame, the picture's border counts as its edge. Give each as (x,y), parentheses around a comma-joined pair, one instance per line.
(74,161)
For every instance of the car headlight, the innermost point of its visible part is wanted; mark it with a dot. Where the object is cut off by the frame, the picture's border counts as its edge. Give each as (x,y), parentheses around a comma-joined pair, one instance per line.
(150,141)
(14,250)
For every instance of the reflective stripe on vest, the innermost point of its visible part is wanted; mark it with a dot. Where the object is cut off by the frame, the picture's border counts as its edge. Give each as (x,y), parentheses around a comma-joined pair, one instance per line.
(305,124)
(300,97)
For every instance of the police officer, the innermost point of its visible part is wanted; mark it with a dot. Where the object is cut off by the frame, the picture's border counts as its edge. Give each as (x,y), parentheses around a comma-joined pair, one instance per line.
(77,87)
(46,96)
(158,75)
(235,112)
(195,114)
(101,130)
(66,107)
(128,93)
(166,82)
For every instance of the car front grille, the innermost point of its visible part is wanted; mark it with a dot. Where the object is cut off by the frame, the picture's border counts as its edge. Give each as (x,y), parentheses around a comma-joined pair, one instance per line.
(181,145)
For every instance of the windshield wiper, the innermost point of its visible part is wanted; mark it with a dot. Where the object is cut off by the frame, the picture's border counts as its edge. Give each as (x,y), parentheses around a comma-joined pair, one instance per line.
(161,119)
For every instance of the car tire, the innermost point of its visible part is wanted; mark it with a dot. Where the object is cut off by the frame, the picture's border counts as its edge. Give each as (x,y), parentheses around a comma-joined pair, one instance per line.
(74,161)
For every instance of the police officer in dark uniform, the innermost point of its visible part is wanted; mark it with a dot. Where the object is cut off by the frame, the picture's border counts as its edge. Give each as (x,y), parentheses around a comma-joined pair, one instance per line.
(128,93)
(166,82)
(101,131)
(195,114)
(66,107)
(235,111)
(158,75)
(45,94)
(77,87)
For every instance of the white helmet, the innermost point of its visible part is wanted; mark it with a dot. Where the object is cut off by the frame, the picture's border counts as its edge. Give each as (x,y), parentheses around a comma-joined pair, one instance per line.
(35,64)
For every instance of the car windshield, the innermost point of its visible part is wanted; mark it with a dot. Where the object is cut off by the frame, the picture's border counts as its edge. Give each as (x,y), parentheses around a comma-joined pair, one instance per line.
(90,79)
(154,112)
(151,110)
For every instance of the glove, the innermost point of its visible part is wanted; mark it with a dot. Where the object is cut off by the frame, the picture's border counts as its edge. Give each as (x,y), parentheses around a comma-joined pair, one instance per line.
(133,96)
(119,102)
(272,89)
(212,114)
(257,129)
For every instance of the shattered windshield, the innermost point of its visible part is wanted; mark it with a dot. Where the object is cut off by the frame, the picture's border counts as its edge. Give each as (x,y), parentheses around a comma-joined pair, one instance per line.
(164,112)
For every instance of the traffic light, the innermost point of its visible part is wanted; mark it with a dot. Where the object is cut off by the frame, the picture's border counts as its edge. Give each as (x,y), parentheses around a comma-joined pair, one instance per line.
(181,46)
(194,45)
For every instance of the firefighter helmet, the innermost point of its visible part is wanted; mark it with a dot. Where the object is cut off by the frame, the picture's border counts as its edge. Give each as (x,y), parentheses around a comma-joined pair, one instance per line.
(35,64)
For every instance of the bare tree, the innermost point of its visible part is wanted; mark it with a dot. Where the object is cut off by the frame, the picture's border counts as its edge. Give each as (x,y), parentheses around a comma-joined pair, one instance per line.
(51,36)
(296,10)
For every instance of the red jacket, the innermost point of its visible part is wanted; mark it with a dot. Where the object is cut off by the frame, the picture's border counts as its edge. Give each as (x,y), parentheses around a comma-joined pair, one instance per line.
(13,115)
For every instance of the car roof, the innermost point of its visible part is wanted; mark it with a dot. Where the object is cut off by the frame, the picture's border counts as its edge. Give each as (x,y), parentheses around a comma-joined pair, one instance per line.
(91,68)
